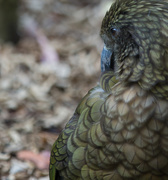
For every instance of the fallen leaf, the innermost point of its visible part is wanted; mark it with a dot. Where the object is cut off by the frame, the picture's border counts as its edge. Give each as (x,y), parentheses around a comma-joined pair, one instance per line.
(40,160)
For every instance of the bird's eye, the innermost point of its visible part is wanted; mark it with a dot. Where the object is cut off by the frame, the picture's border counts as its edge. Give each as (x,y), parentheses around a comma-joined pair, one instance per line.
(113,31)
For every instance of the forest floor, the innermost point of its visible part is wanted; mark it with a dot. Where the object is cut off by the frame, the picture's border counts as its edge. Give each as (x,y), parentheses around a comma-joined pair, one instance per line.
(43,78)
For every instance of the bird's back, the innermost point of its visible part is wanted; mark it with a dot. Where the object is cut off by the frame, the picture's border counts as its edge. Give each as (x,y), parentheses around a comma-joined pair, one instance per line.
(120,133)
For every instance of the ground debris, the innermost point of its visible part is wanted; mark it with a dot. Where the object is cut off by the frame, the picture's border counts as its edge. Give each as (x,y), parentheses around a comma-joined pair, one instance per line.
(43,78)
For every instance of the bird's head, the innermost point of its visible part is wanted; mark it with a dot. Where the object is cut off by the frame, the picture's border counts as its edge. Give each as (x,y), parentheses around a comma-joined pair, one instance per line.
(135,35)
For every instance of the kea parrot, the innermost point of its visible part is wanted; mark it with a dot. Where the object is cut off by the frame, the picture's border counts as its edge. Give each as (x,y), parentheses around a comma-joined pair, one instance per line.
(119,130)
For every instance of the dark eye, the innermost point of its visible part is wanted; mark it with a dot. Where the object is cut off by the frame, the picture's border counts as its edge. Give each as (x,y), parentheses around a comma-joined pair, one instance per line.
(113,31)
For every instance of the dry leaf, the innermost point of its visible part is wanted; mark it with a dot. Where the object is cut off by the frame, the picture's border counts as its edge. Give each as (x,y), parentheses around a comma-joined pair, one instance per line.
(41,160)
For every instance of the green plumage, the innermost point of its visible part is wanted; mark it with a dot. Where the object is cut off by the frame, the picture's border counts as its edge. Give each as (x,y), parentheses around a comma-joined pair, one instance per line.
(119,130)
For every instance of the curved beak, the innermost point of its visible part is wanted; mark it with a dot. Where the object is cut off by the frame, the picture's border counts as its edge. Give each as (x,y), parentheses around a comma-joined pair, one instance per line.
(106,63)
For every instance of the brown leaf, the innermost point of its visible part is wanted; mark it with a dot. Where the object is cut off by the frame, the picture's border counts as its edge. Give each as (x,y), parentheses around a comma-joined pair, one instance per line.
(41,160)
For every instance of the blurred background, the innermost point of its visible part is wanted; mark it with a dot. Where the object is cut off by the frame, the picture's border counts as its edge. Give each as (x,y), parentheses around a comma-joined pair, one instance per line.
(49,59)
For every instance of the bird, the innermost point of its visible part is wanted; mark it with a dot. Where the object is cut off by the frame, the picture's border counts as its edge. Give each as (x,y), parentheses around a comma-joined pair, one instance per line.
(119,130)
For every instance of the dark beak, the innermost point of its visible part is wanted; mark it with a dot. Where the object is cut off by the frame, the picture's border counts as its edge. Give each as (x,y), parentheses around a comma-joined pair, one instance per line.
(106,60)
